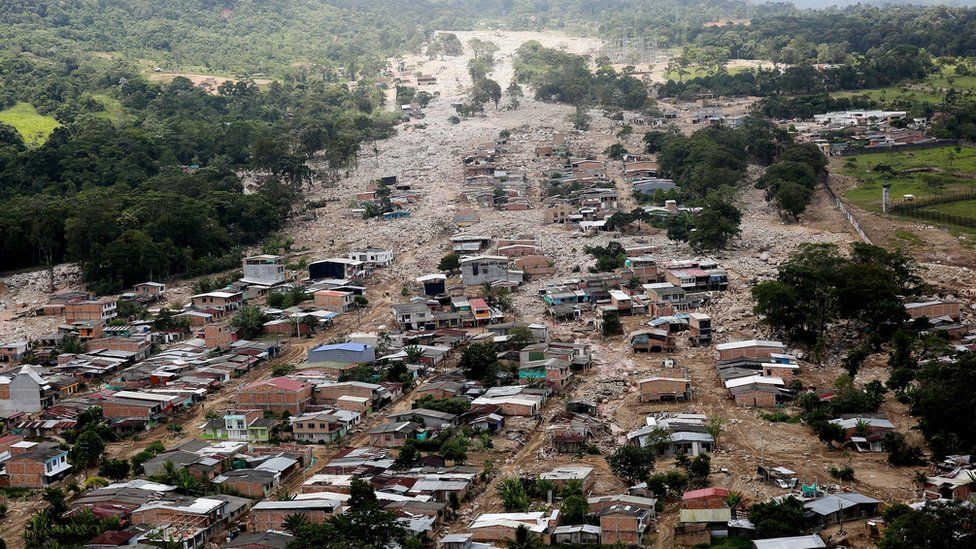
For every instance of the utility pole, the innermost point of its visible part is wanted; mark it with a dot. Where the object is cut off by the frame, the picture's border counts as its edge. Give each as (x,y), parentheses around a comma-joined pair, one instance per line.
(885,197)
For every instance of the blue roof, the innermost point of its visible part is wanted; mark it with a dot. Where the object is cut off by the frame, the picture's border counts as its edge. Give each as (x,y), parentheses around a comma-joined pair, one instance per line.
(352,347)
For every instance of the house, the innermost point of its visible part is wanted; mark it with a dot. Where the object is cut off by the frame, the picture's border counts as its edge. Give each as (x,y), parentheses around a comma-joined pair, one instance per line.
(96,310)
(599,503)
(812,541)
(561,476)
(13,352)
(335,300)
(934,309)
(149,289)
(688,434)
(34,465)
(439,389)
(320,427)
(753,348)
(247,425)
(277,394)
(413,316)
(433,284)
(640,169)
(864,433)
(336,268)
(433,421)
(140,406)
(252,483)
(220,301)
(394,433)
(577,534)
(270,514)
(24,390)
(501,527)
(476,270)
(755,390)
(706,506)
(526,405)
(958,484)
(373,257)
(358,353)
(700,327)
(624,524)
(657,388)
(554,372)
(652,340)
(841,507)
(260,540)
(263,270)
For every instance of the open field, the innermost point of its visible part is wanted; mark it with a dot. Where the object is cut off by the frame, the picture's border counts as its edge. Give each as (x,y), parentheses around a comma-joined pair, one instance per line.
(930,90)
(114,111)
(919,172)
(33,127)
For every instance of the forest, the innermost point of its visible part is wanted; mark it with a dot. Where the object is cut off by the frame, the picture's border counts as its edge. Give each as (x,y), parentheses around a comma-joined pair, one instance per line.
(161,194)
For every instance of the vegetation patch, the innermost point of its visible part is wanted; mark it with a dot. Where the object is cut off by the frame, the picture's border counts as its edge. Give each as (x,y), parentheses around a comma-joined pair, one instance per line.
(33,127)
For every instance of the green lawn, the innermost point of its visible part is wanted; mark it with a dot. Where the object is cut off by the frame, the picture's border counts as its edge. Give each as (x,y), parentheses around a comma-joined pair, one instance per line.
(867,195)
(963,208)
(33,127)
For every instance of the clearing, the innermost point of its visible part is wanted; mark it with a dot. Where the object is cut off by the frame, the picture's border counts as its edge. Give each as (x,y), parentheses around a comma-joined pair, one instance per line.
(930,90)
(32,126)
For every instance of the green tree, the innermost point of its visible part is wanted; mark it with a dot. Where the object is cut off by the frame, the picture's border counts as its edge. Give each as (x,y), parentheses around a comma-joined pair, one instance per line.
(115,469)
(774,519)
(294,522)
(525,539)
(479,361)
(949,526)
(574,510)
(611,325)
(715,225)
(249,321)
(456,449)
(450,262)
(87,449)
(631,463)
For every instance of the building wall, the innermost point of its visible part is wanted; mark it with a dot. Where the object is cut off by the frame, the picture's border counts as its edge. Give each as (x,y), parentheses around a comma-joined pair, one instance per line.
(25,473)
(654,390)
(122,410)
(748,352)
(760,399)
(278,400)
(619,528)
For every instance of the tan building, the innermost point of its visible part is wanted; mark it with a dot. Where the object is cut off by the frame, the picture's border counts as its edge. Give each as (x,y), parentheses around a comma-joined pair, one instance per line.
(335,301)
(221,301)
(655,389)
(277,394)
(557,213)
(34,465)
(753,348)
(98,310)
(623,524)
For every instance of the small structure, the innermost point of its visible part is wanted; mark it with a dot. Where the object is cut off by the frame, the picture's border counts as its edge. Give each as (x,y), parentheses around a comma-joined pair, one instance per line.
(657,388)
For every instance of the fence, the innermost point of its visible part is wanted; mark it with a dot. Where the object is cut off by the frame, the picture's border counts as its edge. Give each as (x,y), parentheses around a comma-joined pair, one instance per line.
(847,213)
(917,208)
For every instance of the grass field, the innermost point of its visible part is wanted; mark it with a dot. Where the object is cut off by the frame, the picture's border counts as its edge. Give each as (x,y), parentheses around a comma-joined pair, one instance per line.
(33,127)
(958,172)
(930,92)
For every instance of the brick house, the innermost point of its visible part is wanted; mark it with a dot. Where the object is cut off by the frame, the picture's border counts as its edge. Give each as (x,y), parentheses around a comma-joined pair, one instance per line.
(753,348)
(221,301)
(271,515)
(252,483)
(99,310)
(624,524)
(277,394)
(335,300)
(439,389)
(655,389)
(394,434)
(318,427)
(34,465)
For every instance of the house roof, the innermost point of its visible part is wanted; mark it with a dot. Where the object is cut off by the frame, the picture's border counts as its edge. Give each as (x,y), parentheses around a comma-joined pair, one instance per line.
(851,423)
(285,383)
(748,343)
(831,503)
(713,492)
(348,347)
(812,541)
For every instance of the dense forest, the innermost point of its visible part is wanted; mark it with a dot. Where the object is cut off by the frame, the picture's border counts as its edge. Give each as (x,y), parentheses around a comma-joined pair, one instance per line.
(160,194)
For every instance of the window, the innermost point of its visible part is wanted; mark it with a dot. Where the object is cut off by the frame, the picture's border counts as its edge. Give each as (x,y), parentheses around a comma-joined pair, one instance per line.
(321,425)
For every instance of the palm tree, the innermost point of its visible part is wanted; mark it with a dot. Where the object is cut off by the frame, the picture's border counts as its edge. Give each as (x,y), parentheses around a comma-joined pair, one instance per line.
(295,522)
(513,494)
(733,501)
(524,539)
